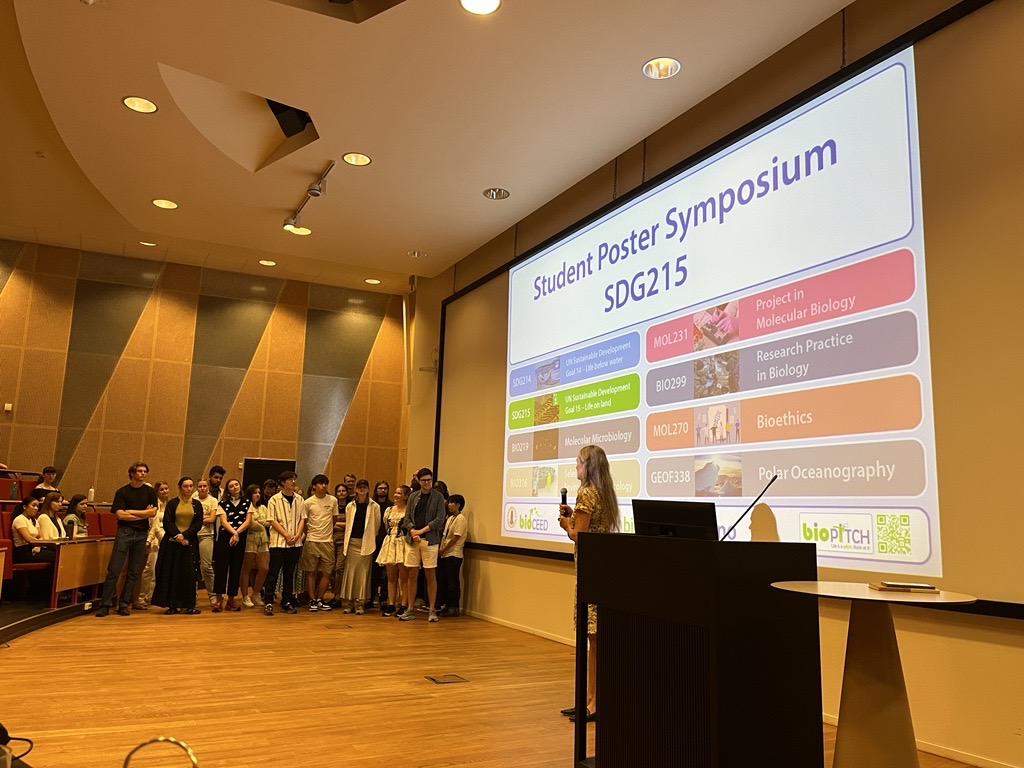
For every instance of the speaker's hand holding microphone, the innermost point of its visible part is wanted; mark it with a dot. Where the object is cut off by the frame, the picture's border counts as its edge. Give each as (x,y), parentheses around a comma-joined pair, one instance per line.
(564,510)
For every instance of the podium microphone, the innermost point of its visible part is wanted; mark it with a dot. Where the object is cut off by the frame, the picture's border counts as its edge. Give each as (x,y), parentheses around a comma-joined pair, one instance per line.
(747,510)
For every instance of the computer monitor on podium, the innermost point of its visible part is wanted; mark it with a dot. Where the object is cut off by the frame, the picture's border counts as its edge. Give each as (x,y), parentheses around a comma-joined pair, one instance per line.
(676,519)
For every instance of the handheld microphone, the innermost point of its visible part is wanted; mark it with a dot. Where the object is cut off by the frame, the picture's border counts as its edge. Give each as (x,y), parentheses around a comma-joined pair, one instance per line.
(565,496)
(762,493)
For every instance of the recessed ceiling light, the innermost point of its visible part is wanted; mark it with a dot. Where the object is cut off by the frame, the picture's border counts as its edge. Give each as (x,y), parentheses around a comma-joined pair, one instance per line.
(148,245)
(495,193)
(267,263)
(356,158)
(480,7)
(416,254)
(372,281)
(661,68)
(139,104)
(170,205)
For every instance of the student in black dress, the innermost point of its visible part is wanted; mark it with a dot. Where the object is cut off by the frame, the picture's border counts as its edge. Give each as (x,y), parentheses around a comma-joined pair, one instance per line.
(177,565)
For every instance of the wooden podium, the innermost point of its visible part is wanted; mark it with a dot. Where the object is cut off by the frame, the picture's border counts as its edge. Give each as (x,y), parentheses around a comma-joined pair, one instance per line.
(701,663)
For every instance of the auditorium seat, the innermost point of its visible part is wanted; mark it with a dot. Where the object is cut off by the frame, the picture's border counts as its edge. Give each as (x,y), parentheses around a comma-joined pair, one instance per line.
(9,560)
(8,573)
(108,523)
(92,519)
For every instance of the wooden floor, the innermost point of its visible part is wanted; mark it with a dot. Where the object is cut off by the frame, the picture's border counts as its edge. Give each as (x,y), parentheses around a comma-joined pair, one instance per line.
(249,691)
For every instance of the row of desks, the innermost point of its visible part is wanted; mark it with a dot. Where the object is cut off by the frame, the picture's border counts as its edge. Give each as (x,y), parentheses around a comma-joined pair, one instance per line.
(79,563)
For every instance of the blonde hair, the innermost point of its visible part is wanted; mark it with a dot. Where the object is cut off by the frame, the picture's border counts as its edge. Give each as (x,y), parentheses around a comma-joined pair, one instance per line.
(598,475)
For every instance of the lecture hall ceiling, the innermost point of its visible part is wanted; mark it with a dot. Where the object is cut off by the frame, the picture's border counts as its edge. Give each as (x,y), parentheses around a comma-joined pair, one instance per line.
(533,99)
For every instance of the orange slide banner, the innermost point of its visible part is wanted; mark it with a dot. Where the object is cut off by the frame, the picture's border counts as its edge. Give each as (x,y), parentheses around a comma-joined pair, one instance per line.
(879,405)
(670,429)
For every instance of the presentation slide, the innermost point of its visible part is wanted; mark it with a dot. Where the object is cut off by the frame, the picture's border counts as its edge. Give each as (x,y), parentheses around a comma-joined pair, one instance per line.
(762,313)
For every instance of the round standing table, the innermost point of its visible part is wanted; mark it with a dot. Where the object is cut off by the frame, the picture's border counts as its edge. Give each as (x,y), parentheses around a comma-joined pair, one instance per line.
(874,726)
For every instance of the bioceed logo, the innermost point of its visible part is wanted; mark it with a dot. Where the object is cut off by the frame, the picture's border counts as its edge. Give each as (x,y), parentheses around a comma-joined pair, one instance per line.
(528,522)
(510,517)
(838,532)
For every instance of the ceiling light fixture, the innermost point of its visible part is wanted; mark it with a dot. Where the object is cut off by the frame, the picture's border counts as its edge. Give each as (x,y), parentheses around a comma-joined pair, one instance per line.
(267,263)
(356,158)
(148,245)
(168,205)
(661,68)
(480,7)
(495,193)
(317,188)
(139,104)
(293,224)
(417,254)
(372,281)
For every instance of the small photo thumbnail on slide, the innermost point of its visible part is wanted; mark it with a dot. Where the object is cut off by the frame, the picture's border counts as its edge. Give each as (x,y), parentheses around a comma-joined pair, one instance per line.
(543,481)
(716,326)
(545,410)
(545,444)
(719,475)
(717,424)
(716,375)
(548,374)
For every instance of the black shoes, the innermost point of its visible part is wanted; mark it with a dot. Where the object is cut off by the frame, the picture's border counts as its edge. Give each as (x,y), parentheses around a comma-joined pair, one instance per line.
(104,610)
(568,711)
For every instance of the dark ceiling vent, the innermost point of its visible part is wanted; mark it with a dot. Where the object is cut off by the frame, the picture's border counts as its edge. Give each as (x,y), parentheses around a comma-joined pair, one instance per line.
(292,120)
(352,11)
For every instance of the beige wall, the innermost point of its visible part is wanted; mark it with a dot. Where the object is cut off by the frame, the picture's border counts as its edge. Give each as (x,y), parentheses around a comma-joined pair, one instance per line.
(142,404)
(963,672)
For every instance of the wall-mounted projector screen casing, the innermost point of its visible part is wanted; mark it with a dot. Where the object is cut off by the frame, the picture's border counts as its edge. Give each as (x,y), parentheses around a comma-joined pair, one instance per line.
(763,312)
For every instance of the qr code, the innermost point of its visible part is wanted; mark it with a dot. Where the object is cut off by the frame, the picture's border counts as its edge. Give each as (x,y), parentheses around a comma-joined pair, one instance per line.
(893,534)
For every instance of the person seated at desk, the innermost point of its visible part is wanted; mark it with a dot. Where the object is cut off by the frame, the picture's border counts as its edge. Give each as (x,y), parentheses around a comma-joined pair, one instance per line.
(46,484)
(26,539)
(25,534)
(74,521)
(49,522)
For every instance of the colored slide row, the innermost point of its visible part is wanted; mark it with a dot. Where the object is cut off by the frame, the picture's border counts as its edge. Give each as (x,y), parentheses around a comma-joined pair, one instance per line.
(882,469)
(878,282)
(597,398)
(859,407)
(612,356)
(545,482)
(858,347)
(615,436)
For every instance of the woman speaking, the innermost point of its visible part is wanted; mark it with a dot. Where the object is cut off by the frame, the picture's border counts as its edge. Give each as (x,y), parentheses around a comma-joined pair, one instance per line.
(596,511)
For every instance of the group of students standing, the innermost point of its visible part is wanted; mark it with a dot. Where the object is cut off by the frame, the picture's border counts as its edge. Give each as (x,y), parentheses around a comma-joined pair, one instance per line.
(229,537)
